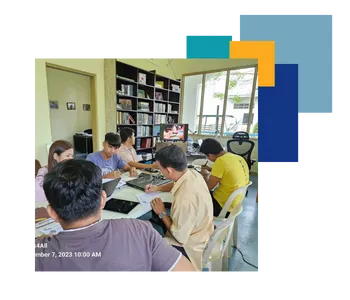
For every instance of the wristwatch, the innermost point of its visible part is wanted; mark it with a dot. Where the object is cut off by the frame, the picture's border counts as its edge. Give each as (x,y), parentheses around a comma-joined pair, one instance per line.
(162,215)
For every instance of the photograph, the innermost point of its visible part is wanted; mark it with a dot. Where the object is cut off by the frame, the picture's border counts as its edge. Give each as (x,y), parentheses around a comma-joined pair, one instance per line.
(159,96)
(86,107)
(53,104)
(71,105)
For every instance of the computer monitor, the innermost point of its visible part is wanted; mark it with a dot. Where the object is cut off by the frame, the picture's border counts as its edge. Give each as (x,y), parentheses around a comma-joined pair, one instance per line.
(174,132)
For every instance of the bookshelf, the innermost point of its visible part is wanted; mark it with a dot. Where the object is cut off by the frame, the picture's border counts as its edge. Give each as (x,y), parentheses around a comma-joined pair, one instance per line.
(145,100)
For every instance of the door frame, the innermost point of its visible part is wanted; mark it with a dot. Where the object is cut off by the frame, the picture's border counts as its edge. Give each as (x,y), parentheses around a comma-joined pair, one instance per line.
(94,115)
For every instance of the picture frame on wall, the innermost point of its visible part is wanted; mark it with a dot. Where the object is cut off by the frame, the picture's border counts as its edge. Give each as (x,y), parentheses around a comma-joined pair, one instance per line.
(53,104)
(86,107)
(71,106)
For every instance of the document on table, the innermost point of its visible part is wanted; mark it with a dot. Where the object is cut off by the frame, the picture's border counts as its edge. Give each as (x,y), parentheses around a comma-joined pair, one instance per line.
(126,176)
(145,198)
(120,184)
(52,229)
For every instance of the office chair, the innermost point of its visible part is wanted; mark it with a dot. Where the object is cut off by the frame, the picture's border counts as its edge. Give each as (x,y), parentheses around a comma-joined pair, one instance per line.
(241,135)
(241,145)
(80,156)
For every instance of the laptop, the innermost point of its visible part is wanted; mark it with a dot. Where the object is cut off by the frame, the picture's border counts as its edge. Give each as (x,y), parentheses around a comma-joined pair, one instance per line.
(110,186)
(145,179)
(120,205)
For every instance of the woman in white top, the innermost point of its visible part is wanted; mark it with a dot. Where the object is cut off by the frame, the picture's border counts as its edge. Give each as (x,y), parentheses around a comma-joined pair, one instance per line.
(59,151)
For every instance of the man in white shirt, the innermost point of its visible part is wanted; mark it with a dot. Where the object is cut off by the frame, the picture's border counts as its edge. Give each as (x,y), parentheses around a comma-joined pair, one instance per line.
(127,151)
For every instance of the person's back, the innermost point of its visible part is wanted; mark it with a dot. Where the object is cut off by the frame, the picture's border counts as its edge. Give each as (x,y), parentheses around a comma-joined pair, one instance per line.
(74,192)
(109,245)
(190,223)
(234,173)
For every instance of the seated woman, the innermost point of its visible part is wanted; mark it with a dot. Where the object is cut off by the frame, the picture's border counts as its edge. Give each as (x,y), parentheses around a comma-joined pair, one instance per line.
(59,151)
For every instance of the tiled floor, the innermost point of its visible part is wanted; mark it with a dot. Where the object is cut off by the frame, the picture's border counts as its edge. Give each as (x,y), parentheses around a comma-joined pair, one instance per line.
(247,232)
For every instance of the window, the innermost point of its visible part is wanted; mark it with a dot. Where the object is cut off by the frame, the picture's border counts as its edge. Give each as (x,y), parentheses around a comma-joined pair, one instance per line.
(240,88)
(213,103)
(192,97)
(226,105)
(254,127)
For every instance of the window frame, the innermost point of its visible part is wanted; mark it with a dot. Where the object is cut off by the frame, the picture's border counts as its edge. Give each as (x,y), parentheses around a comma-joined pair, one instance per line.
(227,70)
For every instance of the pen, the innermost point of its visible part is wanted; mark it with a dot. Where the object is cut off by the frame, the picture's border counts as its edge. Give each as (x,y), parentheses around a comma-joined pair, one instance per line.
(40,219)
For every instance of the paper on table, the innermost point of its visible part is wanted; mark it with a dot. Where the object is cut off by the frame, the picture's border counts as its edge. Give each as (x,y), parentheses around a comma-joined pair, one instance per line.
(52,229)
(104,180)
(126,176)
(120,184)
(145,198)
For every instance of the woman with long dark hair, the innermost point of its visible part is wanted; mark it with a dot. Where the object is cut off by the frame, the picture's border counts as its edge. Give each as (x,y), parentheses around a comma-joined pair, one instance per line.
(59,151)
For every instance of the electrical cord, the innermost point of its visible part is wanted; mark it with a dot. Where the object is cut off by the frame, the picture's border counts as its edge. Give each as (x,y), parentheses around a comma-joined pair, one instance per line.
(244,258)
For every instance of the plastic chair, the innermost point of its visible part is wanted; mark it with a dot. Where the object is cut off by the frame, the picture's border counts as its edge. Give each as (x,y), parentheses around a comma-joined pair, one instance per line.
(215,254)
(221,218)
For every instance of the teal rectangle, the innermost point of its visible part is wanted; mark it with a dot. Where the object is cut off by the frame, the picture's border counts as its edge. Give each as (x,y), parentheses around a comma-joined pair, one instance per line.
(208,46)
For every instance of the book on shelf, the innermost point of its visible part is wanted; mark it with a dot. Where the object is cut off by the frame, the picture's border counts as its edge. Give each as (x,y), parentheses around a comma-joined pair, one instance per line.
(141,94)
(160,84)
(156,131)
(144,131)
(124,118)
(146,100)
(125,104)
(142,78)
(171,120)
(160,119)
(131,119)
(175,88)
(144,106)
(160,107)
(146,143)
(144,119)
(127,89)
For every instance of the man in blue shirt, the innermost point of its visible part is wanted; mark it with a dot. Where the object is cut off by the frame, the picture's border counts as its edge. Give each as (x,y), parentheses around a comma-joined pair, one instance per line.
(107,159)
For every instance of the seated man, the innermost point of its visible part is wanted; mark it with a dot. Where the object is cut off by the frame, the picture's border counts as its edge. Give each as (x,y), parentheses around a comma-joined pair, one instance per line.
(127,151)
(229,170)
(190,223)
(107,159)
(87,243)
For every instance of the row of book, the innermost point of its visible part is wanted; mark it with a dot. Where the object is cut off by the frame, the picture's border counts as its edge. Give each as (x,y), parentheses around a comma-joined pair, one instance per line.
(145,143)
(144,131)
(144,119)
(159,107)
(124,118)
(144,106)
(160,119)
